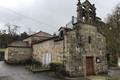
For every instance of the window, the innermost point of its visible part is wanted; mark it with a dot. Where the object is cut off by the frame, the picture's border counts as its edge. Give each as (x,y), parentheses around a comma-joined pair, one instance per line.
(89,39)
(61,34)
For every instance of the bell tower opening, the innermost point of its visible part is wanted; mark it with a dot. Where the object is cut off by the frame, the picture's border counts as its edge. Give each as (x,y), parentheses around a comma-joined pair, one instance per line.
(86,12)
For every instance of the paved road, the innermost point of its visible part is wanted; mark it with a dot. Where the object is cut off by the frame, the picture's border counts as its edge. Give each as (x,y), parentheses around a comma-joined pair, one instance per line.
(9,72)
(114,72)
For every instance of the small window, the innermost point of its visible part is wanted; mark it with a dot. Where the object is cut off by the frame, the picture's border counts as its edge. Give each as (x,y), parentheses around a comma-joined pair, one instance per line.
(89,39)
(61,34)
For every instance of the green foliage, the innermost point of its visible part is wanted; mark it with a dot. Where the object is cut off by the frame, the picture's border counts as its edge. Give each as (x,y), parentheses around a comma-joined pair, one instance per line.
(33,63)
(24,35)
(58,68)
(7,38)
(111,30)
(36,62)
(10,35)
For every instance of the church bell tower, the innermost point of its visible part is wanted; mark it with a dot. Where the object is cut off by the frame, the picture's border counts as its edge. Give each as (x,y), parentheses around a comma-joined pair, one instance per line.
(86,12)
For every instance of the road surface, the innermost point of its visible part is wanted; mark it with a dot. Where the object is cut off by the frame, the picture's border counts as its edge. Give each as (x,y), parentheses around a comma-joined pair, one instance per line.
(13,72)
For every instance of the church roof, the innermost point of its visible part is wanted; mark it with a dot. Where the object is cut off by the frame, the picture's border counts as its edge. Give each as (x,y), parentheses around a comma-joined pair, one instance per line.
(19,44)
(41,33)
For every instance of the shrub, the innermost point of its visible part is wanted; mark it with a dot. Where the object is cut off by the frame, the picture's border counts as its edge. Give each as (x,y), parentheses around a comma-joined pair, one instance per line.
(33,62)
(37,63)
(29,61)
(59,69)
(56,66)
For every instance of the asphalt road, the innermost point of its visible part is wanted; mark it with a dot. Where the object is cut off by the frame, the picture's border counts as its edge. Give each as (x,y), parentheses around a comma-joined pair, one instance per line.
(17,72)
(13,72)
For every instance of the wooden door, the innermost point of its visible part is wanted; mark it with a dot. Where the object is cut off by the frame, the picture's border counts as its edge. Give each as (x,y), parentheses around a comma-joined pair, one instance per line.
(89,66)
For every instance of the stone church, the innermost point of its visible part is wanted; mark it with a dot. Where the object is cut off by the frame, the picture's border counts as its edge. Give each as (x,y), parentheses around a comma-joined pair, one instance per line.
(82,49)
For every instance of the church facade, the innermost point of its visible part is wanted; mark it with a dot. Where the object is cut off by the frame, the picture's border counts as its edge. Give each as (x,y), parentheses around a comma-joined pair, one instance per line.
(85,51)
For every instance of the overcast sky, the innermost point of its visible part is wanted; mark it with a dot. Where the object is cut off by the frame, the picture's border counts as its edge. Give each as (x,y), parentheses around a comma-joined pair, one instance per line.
(46,15)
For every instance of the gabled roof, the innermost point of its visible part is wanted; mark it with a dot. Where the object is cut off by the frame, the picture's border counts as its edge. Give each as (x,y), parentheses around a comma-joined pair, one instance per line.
(20,44)
(40,34)
(51,38)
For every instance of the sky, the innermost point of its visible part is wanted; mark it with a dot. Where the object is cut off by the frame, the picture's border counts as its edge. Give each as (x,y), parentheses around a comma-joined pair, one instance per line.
(46,15)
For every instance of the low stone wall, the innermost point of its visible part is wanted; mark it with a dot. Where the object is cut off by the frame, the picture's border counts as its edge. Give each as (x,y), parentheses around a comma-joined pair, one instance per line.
(17,55)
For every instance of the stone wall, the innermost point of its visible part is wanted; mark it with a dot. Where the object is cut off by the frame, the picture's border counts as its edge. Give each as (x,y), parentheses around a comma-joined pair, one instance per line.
(55,48)
(18,55)
(58,50)
(72,57)
(97,47)
(78,47)
(74,49)
(18,44)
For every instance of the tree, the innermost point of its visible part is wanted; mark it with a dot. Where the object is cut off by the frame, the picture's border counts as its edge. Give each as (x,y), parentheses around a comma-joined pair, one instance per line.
(12,29)
(10,35)
(112,33)
(24,35)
